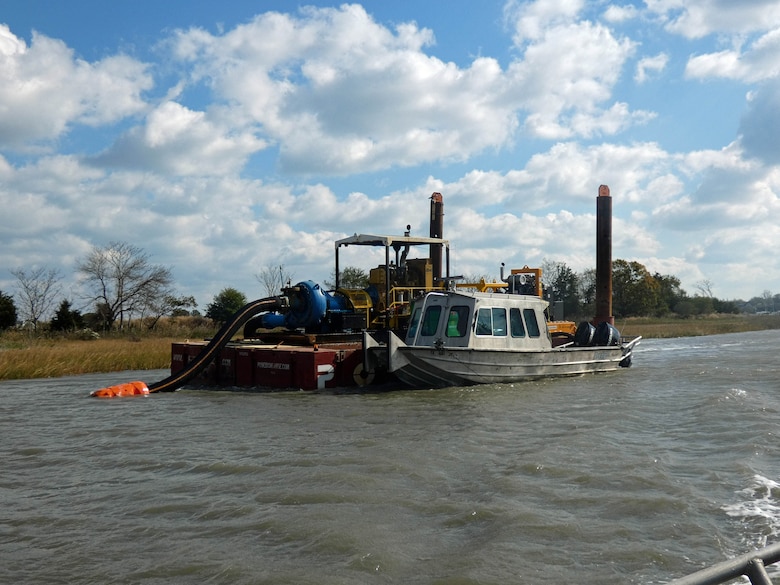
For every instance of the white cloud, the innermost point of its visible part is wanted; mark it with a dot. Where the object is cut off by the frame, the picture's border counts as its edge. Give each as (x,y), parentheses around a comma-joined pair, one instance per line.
(46,89)
(566,74)
(341,93)
(650,65)
(533,19)
(619,14)
(698,18)
(760,124)
(721,64)
(181,141)
(569,171)
(755,62)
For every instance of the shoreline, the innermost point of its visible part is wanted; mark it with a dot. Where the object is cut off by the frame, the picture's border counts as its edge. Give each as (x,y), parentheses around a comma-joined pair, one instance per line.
(664,328)
(35,358)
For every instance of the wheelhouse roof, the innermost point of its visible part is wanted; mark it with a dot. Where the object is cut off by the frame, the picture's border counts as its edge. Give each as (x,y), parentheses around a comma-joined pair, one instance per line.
(388,241)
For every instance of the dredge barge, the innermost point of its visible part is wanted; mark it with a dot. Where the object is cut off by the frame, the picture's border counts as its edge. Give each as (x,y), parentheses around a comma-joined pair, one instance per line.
(414,324)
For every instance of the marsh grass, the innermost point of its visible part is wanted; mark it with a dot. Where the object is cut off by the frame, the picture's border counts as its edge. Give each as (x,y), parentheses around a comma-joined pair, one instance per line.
(693,327)
(50,358)
(26,356)
(23,356)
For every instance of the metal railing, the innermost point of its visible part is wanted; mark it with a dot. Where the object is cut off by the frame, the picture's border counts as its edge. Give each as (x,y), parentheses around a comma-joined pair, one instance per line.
(751,565)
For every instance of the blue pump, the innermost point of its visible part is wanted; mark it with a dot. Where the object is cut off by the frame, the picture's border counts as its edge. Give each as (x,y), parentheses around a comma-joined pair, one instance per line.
(309,305)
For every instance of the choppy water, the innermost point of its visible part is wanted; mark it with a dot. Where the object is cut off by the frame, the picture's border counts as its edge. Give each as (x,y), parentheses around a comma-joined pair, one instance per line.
(639,476)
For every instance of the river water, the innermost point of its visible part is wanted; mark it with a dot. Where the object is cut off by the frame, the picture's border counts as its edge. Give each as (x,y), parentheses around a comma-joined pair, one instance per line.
(637,476)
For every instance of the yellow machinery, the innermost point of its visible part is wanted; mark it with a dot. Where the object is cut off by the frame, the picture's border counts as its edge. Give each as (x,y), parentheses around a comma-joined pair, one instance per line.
(525,280)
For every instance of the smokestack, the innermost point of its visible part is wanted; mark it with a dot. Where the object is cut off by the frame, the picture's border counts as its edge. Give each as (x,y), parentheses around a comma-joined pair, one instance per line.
(437,231)
(604,257)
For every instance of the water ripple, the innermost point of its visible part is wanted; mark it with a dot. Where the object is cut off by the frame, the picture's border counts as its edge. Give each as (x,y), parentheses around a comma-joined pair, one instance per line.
(638,476)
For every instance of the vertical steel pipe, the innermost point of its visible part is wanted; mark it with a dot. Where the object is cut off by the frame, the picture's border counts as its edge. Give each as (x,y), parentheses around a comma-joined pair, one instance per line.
(756,572)
(436,231)
(604,257)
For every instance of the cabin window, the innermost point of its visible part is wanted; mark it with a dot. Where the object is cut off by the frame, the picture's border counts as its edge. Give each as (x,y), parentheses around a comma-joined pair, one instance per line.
(458,321)
(491,321)
(516,323)
(484,322)
(431,320)
(414,323)
(531,323)
(499,322)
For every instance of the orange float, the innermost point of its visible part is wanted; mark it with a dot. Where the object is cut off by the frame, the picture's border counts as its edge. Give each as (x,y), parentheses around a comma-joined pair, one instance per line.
(126,389)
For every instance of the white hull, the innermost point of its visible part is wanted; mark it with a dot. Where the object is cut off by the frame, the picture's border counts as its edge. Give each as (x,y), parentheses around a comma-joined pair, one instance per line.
(458,339)
(454,366)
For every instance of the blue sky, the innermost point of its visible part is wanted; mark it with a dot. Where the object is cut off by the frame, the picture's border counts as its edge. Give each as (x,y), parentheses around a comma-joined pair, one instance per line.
(223,138)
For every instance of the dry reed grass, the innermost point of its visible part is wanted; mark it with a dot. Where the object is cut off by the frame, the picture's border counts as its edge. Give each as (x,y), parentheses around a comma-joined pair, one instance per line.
(694,327)
(54,358)
(26,356)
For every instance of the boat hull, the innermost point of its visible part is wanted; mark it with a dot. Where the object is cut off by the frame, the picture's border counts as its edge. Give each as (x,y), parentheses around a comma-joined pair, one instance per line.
(451,366)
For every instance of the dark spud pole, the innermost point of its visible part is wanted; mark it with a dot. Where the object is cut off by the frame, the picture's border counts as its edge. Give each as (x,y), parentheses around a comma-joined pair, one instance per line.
(436,231)
(604,257)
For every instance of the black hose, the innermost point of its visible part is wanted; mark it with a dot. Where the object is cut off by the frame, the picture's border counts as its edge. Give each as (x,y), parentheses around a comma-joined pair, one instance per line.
(244,314)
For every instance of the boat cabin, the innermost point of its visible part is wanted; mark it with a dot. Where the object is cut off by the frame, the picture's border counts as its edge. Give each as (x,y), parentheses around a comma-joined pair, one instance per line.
(479,320)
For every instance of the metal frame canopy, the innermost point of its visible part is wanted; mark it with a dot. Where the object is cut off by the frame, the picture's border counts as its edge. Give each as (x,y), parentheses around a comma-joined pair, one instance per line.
(397,243)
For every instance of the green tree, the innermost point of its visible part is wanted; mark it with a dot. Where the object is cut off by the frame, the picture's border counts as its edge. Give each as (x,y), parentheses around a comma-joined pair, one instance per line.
(66,319)
(225,305)
(725,306)
(166,305)
(7,311)
(685,308)
(670,294)
(181,306)
(634,290)
(96,321)
(561,284)
(586,290)
(350,277)
(703,305)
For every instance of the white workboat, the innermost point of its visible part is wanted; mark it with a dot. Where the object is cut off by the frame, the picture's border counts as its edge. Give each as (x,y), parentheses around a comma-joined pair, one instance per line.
(463,338)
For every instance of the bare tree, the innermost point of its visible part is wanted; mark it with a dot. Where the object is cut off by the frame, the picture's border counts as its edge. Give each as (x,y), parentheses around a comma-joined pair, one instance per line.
(273,277)
(122,281)
(36,291)
(705,288)
(551,270)
(561,283)
(586,288)
(769,301)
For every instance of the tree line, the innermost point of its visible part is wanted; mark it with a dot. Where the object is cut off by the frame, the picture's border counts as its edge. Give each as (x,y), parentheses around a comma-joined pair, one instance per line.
(636,292)
(121,285)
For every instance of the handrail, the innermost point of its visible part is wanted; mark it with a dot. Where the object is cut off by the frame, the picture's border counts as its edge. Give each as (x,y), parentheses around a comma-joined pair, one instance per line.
(401,296)
(420,324)
(752,565)
(399,301)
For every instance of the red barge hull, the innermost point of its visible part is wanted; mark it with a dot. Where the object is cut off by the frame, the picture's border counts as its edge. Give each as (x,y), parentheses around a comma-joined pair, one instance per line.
(268,367)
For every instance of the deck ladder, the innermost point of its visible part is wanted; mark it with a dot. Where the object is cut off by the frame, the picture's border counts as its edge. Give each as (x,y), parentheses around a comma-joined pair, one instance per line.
(752,565)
